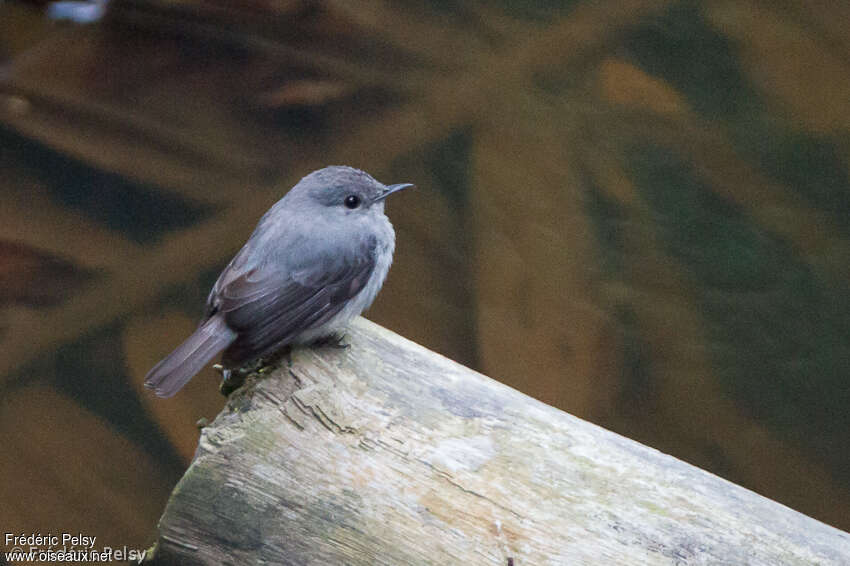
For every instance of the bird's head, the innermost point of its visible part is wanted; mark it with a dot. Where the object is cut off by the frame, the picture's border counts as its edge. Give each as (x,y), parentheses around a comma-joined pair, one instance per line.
(343,192)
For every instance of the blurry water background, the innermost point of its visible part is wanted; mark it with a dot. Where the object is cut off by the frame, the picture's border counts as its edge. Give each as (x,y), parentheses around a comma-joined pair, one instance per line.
(636,211)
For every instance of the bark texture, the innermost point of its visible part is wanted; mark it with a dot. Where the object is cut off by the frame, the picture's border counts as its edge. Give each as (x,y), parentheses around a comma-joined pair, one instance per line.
(388,453)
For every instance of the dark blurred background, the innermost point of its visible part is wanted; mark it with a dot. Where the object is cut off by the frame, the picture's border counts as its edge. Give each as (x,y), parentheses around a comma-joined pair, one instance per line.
(636,211)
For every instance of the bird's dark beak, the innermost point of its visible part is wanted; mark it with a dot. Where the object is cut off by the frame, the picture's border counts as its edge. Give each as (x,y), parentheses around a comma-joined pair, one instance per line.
(393,189)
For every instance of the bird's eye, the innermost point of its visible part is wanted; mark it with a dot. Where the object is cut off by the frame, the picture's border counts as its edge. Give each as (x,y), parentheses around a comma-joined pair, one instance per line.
(352,201)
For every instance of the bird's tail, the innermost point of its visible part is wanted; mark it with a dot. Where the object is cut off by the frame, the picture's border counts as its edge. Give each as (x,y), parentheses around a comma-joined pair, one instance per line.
(172,373)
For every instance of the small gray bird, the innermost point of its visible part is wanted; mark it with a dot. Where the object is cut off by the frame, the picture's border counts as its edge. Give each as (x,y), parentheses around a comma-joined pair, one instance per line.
(315,261)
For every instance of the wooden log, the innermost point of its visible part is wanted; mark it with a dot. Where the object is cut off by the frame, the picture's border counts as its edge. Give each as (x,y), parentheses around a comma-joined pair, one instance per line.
(387,453)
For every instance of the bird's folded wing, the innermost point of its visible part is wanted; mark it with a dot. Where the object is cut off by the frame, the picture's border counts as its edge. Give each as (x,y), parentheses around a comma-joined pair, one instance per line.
(269,306)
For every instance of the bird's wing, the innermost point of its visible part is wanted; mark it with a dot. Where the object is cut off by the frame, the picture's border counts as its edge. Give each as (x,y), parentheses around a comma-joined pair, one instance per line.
(268,306)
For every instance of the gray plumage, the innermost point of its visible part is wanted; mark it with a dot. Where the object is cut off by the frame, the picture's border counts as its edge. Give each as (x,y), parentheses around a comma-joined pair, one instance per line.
(316,260)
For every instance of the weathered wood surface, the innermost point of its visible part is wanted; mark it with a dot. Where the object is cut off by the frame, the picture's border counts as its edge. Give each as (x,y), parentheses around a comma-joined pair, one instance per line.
(387,453)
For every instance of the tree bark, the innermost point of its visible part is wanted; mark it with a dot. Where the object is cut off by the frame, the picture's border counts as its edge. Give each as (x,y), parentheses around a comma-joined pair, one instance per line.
(388,453)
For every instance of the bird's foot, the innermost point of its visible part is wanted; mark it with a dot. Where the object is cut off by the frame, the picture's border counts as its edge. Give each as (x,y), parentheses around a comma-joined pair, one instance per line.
(333,341)
(231,379)
(270,363)
(234,378)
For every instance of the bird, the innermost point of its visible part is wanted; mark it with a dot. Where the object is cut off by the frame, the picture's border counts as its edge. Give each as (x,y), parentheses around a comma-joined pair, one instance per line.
(316,259)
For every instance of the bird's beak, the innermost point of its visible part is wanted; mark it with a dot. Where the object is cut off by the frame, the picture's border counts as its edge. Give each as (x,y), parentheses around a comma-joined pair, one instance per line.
(393,189)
